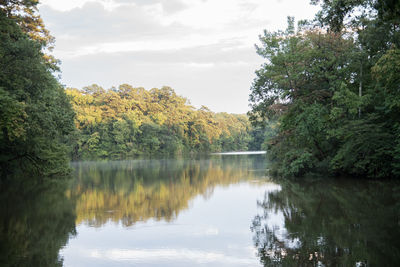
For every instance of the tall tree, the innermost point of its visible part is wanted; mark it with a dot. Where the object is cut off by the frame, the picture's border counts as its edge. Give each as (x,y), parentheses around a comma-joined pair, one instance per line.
(36,116)
(303,71)
(25,14)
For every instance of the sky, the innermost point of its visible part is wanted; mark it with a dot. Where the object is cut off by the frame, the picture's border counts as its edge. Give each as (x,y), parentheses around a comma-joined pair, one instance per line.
(203,49)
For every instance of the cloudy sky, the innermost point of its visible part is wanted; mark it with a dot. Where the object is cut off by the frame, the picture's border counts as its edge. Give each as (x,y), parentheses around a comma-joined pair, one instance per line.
(204,49)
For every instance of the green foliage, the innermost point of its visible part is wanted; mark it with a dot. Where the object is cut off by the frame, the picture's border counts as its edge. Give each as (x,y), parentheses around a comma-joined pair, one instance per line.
(366,147)
(36,115)
(126,121)
(12,115)
(334,93)
(24,13)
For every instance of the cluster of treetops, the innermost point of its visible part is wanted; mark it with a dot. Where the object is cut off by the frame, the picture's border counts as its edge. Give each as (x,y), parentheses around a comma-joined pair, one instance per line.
(44,126)
(330,91)
(128,121)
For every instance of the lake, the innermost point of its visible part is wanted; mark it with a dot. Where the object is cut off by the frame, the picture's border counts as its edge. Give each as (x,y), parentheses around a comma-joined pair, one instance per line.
(217,210)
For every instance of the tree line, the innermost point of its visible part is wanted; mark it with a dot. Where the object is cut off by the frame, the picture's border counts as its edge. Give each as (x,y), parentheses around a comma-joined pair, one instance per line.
(44,125)
(330,89)
(128,121)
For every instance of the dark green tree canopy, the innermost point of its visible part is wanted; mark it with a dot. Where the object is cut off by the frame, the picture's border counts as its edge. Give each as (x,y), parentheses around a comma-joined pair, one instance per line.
(36,116)
(331,89)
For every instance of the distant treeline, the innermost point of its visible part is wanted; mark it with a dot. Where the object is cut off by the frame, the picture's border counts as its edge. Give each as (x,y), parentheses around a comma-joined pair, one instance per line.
(127,121)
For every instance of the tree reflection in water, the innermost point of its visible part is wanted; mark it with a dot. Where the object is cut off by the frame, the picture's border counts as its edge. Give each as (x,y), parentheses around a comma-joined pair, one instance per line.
(36,222)
(130,191)
(330,223)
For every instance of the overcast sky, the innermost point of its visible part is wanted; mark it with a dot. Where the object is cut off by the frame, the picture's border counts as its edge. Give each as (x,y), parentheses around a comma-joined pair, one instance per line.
(204,49)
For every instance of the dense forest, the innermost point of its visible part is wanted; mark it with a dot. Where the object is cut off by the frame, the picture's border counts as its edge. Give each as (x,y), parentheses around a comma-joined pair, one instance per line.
(330,90)
(326,100)
(128,121)
(44,125)
(36,117)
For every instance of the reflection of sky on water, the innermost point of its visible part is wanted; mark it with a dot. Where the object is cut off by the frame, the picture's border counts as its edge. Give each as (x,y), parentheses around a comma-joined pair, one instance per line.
(241,153)
(214,231)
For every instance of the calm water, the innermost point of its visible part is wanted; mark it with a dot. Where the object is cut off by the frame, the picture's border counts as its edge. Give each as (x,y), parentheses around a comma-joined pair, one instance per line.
(216,211)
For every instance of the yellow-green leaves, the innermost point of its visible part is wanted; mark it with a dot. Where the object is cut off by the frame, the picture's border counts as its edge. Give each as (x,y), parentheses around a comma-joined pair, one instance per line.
(127,121)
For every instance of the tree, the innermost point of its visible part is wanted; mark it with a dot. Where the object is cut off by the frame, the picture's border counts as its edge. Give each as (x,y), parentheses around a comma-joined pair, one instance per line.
(37,117)
(24,13)
(303,70)
(332,86)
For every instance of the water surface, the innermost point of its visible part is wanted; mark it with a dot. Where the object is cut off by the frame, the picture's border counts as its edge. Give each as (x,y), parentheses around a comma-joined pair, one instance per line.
(171,212)
(219,210)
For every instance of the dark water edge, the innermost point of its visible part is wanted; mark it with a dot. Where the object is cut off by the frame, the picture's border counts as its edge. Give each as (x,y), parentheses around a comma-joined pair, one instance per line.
(306,222)
(37,220)
(331,221)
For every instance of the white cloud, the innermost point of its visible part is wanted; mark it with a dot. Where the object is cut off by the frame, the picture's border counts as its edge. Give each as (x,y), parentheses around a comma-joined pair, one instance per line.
(125,26)
(208,14)
(62,5)
(207,46)
(132,46)
(199,65)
